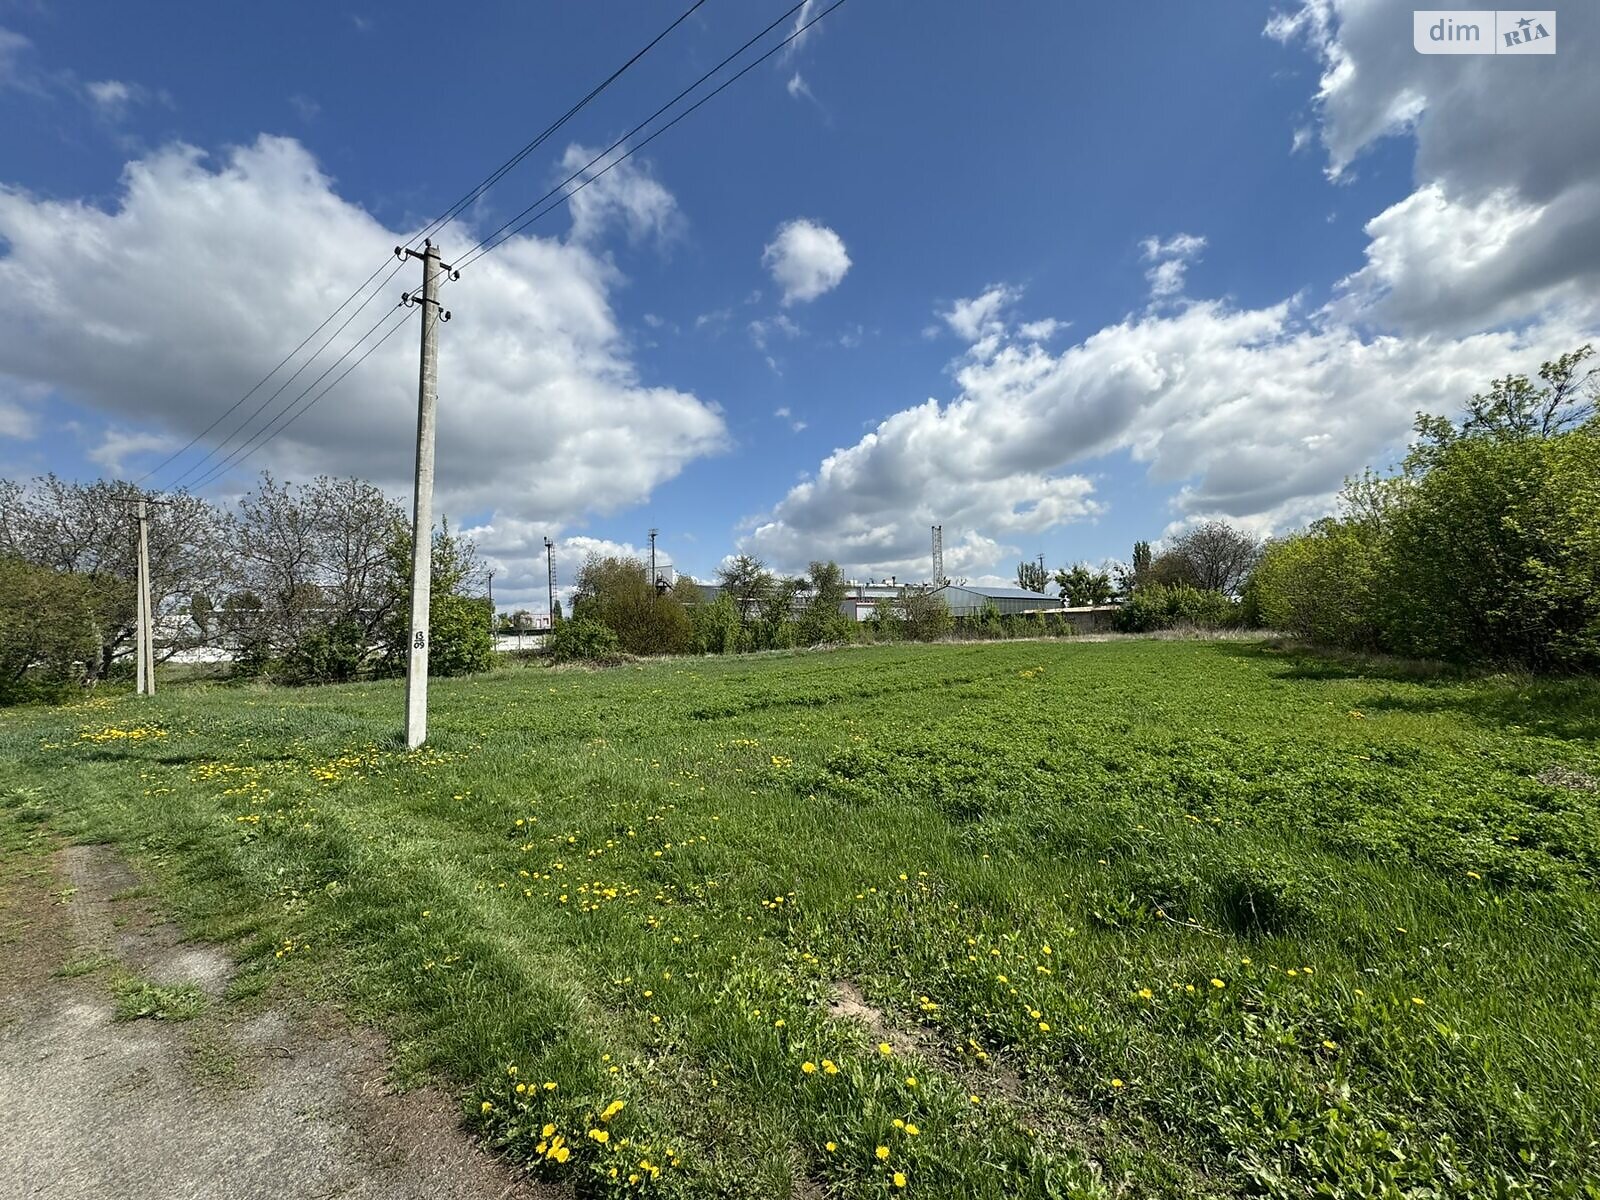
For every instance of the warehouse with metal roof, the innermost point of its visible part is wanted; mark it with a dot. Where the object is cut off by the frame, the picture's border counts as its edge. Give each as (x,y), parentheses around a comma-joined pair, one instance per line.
(969,600)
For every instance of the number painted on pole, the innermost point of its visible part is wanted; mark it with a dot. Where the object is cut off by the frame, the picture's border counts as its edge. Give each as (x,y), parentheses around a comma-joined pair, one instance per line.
(420,641)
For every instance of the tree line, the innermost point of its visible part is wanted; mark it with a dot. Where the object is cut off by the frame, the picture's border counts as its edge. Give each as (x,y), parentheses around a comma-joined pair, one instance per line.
(301,583)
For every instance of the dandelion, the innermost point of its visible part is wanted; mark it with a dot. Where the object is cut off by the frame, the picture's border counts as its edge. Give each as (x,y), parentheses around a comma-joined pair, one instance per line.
(600,1135)
(885,1049)
(809,1067)
(975,1098)
(547,1131)
(829,1067)
(549,1085)
(487,1107)
(912,1130)
(1044,1026)
(613,1109)
(1328,1044)
(1146,994)
(1418,1000)
(830,1147)
(1217,983)
(883,1153)
(1117,1083)
(911,1081)
(899,1179)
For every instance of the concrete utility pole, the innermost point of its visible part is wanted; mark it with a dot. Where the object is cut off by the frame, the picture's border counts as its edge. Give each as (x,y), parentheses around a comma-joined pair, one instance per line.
(493,624)
(653,576)
(145,670)
(550,570)
(422,504)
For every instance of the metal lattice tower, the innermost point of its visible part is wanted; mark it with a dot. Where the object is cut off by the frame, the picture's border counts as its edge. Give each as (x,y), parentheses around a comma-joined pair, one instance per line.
(550,566)
(938,556)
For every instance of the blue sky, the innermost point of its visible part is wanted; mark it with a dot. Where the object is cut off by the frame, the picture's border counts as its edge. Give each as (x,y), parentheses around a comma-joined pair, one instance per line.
(1069,275)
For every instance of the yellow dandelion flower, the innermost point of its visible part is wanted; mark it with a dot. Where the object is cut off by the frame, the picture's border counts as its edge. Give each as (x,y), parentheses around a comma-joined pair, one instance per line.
(883,1153)
(1146,994)
(1117,1083)
(911,1081)
(547,1131)
(885,1049)
(600,1135)
(1328,1044)
(1217,983)
(899,1179)
(829,1067)
(912,1130)
(613,1109)
(1044,1026)
(830,1147)
(487,1107)
(1418,1000)
(549,1085)
(809,1067)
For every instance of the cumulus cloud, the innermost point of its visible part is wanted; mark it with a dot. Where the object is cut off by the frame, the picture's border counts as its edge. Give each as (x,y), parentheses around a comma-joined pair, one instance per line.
(1489,266)
(1504,222)
(1255,414)
(625,197)
(1170,261)
(806,259)
(542,415)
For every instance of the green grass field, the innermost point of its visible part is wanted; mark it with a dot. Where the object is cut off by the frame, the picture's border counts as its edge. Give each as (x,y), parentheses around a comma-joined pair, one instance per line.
(1002,920)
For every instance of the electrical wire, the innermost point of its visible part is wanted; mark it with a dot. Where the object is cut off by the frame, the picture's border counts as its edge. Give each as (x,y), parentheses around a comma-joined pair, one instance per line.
(510,228)
(434,226)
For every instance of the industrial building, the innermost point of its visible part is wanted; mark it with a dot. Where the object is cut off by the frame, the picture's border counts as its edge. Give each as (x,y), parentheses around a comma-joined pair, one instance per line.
(969,600)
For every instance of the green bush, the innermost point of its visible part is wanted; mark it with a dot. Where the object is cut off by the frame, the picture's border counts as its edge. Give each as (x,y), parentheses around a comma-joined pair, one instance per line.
(1163,606)
(583,639)
(47,631)
(332,655)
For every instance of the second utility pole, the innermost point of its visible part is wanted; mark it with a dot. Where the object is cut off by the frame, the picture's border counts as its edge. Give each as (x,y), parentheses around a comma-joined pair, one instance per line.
(145,669)
(422,504)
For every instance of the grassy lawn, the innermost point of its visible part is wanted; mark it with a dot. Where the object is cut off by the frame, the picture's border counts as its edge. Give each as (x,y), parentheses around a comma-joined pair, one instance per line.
(1000,920)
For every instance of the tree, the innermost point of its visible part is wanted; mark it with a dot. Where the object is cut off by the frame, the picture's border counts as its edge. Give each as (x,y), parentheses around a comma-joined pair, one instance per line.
(926,615)
(821,620)
(1137,573)
(1082,586)
(459,641)
(1215,557)
(318,561)
(617,593)
(747,580)
(48,632)
(1513,409)
(1031,576)
(86,529)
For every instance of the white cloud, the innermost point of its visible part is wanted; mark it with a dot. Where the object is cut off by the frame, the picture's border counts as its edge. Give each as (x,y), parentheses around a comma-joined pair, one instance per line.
(1171,260)
(16,66)
(542,416)
(304,106)
(806,259)
(1504,222)
(118,446)
(977,318)
(112,97)
(797,87)
(1257,414)
(625,196)
(1041,331)
(801,20)
(787,417)
(16,421)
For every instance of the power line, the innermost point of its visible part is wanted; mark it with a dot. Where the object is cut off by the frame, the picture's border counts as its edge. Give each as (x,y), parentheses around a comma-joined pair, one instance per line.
(256,412)
(515,224)
(439,222)
(249,449)
(512,227)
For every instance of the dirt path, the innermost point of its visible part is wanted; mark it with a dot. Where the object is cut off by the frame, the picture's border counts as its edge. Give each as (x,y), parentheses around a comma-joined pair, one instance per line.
(220,1105)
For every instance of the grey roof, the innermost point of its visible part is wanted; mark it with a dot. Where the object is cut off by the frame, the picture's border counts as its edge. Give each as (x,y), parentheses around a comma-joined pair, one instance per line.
(999,593)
